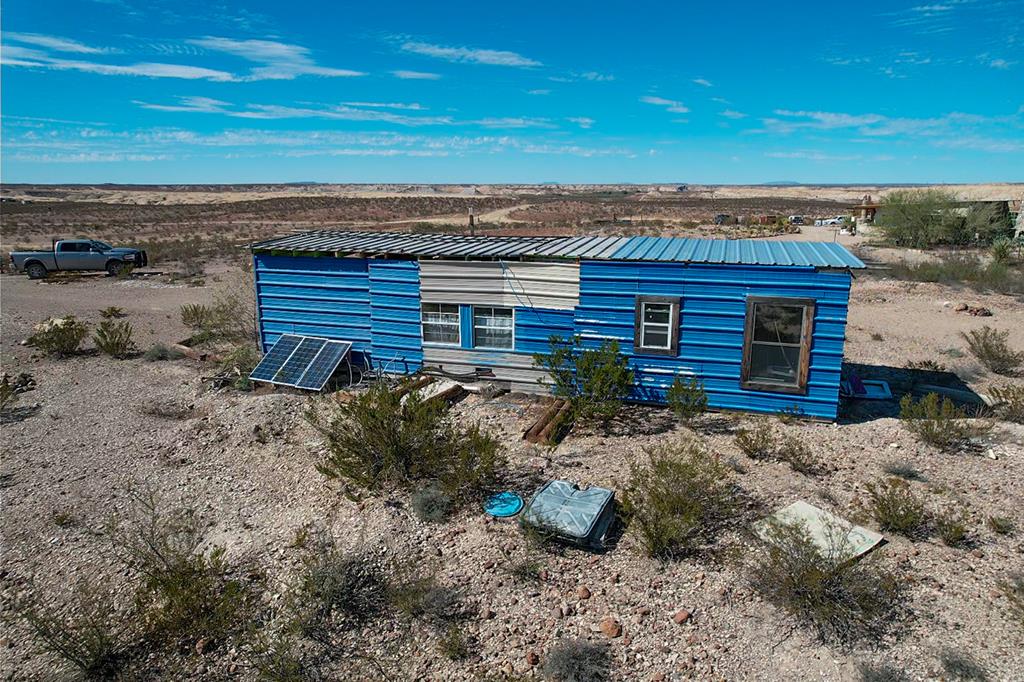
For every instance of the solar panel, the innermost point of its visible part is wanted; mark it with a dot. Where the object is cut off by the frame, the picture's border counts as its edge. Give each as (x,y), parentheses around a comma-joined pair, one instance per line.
(272,361)
(301,361)
(323,365)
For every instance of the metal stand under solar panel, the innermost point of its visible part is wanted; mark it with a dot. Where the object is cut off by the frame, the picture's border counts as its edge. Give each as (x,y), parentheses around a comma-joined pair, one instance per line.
(305,362)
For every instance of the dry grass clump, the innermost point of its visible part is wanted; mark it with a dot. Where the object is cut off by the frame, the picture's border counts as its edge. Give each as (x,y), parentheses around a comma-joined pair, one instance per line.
(895,507)
(936,421)
(115,339)
(679,499)
(843,601)
(1001,525)
(951,527)
(761,442)
(758,442)
(576,660)
(990,347)
(59,336)
(337,588)
(158,352)
(431,504)
(1011,402)
(379,441)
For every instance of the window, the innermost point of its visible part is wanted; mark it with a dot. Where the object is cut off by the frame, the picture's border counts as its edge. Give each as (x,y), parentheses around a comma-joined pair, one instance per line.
(656,325)
(440,323)
(777,344)
(493,328)
(74,247)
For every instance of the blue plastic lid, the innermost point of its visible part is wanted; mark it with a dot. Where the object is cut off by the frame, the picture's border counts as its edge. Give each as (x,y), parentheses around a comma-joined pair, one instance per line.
(505,503)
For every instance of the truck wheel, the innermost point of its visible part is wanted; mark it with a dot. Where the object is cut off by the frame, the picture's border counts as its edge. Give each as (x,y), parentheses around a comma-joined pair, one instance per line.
(114,268)
(35,270)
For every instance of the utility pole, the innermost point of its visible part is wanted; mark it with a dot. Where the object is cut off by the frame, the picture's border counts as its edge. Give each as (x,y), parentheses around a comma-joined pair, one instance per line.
(471,222)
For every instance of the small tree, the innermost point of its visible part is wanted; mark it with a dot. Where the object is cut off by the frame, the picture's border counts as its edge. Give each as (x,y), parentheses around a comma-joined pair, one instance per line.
(687,398)
(594,381)
(921,218)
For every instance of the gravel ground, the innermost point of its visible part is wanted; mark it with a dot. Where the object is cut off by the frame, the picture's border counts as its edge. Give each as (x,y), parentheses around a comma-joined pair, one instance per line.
(245,462)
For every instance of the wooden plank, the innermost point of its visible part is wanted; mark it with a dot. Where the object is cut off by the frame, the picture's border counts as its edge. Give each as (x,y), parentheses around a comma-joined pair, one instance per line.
(531,433)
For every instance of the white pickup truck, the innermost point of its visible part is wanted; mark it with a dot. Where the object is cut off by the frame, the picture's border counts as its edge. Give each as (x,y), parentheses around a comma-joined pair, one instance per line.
(77,254)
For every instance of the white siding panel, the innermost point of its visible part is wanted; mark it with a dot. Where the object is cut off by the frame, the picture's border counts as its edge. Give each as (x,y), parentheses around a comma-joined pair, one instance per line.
(533,285)
(515,368)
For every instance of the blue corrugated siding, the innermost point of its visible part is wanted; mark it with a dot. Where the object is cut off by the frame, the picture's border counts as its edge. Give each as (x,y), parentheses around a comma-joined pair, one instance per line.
(397,345)
(328,297)
(712,313)
(536,326)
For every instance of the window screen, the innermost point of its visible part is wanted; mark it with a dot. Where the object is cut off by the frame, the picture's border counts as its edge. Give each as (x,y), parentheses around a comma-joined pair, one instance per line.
(493,328)
(777,344)
(656,325)
(440,323)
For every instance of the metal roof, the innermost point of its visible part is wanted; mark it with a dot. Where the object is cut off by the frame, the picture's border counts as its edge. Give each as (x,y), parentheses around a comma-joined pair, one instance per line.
(666,249)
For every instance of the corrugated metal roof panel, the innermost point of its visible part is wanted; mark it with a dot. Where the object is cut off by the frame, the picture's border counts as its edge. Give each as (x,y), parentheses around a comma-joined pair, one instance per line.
(663,249)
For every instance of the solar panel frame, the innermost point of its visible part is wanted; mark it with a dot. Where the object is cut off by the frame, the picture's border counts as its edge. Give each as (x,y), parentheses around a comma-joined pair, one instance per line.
(292,370)
(323,365)
(271,363)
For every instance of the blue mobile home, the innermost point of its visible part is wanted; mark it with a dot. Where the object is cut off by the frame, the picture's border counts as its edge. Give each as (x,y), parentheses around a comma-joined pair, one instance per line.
(760,323)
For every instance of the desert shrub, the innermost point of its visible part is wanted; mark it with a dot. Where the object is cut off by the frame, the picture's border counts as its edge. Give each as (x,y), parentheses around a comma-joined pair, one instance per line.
(8,392)
(1013,589)
(798,455)
(576,660)
(1001,250)
(231,318)
(961,666)
(687,398)
(962,268)
(186,593)
(421,597)
(431,504)
(758,442)
(158,352)
(1001,525)
(951,526)
(935,421)
(904,470)
(1011,402)
(113,312)
(989,222)
(196,316)
(843,601)
(895,507)
(337,587)
(453,643)
(594,381)
(881,672)
(59,336)
(927,365)
(114,338)
(278,658)
(85,632)
(238,364)
(921,218)
(990,348)
(378,440)
(679,499)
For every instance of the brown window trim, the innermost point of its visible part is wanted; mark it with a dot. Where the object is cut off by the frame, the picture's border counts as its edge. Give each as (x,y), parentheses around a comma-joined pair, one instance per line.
(673,303)
(806,335)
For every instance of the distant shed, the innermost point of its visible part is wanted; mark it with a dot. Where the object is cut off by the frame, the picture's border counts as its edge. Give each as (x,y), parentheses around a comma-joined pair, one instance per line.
(760,323)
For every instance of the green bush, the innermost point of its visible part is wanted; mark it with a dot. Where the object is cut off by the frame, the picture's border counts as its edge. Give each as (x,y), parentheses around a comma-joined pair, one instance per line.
(798,455)
(8,392)
(114,338)
(576,660)
(895,507)
(196,316)
(378,441)
(959,268)
(1011,402)
(59,336)
(758,442)
(453,643)
(431,504)
(231,318)
(595,382)
(990,348)
(952,527)
(113,312)
(921,218)
(158,352)
(85,632)
(843,601)
(935,421)
(1001,250)
(421,597)
(338,587)
(679,499)
(687,398)
(1001,525)
(238,364)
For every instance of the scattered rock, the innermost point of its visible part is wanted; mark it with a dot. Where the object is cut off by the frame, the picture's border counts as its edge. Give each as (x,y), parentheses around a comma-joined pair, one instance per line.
(611,627)
(681,616)
(487,614)
(532,658)
(583,592)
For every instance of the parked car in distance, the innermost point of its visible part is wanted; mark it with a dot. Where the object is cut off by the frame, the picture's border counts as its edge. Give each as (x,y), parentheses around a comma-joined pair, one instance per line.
(834,220)
(77,254)
(796,220)
(725,219)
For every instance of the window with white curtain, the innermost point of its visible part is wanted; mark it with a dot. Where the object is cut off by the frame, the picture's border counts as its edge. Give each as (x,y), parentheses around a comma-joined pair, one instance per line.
(493,328)
(440,323)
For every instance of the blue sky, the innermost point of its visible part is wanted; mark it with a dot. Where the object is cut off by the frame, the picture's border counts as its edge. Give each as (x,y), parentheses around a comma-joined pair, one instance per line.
(725,92)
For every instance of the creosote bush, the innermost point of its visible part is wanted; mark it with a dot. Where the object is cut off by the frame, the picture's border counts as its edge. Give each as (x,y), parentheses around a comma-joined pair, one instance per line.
(758,442)
(951,526)
(687,398)
(576,660)
(59,336)
(594,381)
(337,588)
(379,441)
(843,601)
(990,347)
(1011,402)
(936,421)
(678,499)
(114,338)
(798,455)
(238,363)
(895,507)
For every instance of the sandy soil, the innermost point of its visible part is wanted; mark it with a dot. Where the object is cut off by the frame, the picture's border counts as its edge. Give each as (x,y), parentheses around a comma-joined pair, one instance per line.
(83,437)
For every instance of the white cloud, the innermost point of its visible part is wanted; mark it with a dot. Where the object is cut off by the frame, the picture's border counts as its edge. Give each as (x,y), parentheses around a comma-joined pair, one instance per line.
(280,61)
(582,121)
(735,115)
(596,77)
(387,105)
(55,43)
(416,75)
(14,55)
(702,81)
(190,104)
(470,55)
(669,104)
(540,91)
(1001,64)
(514,122)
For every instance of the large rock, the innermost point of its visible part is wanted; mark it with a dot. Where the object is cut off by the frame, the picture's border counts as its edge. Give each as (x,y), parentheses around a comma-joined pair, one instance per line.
(611,627)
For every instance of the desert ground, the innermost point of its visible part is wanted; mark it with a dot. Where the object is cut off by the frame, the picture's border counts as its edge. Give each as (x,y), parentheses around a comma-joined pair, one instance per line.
(94,429)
